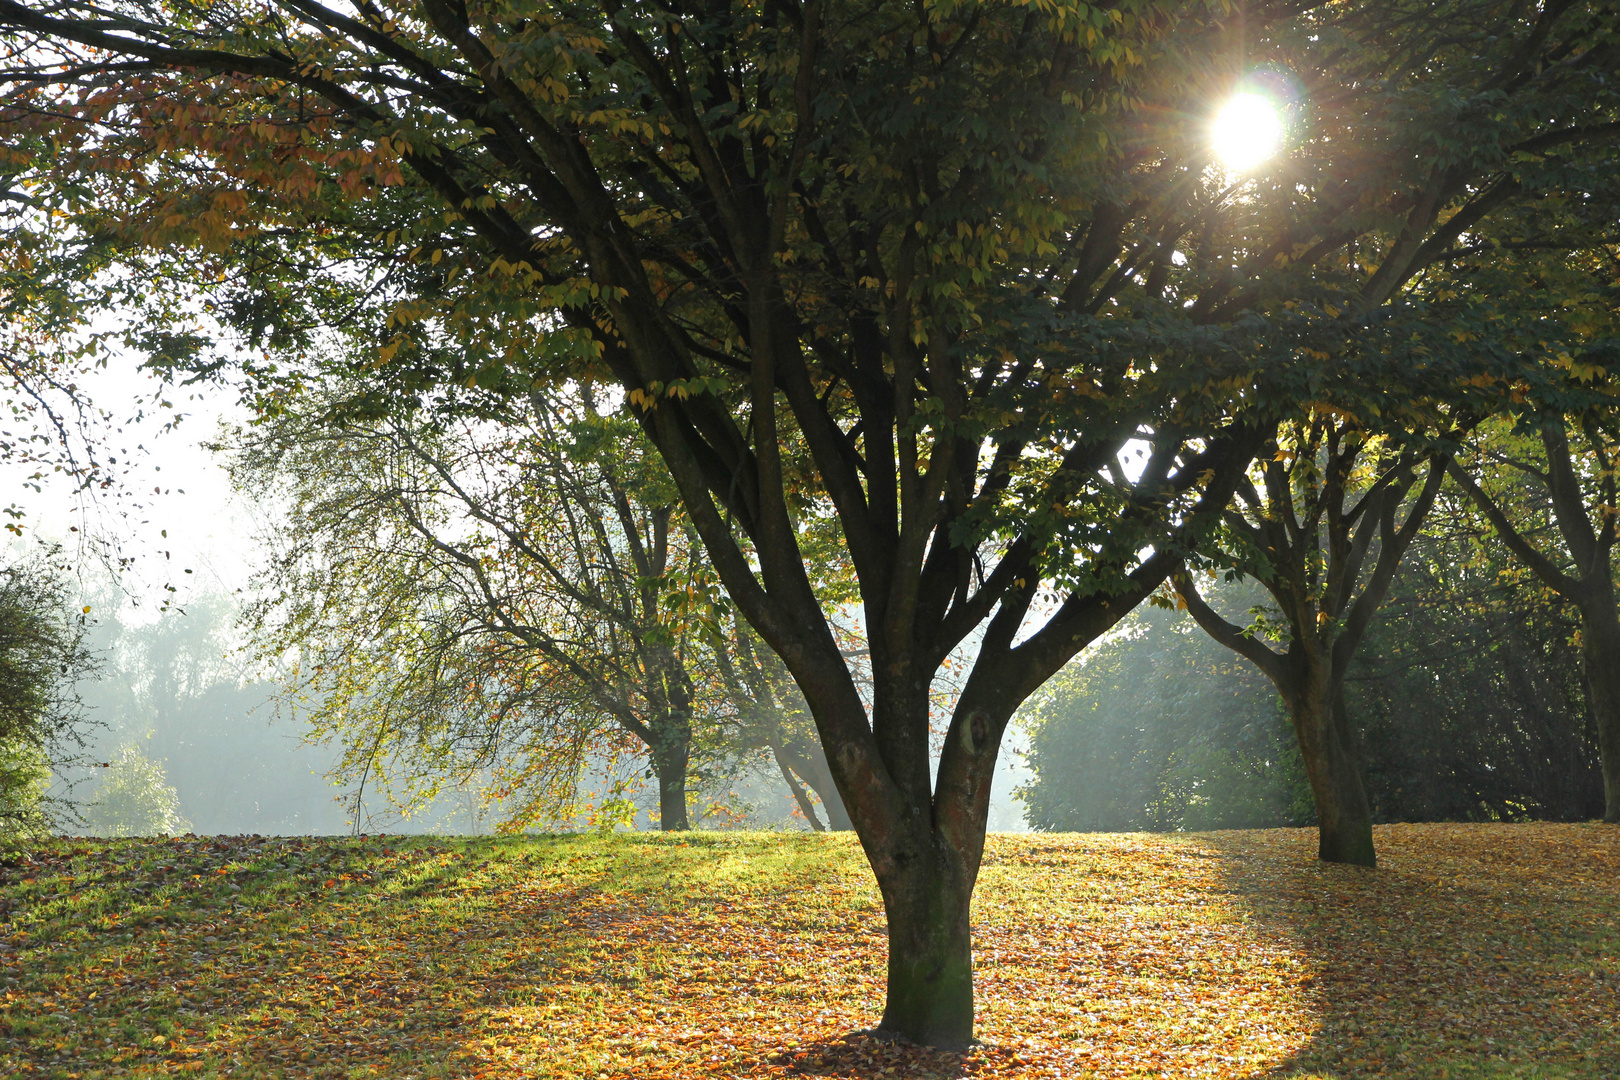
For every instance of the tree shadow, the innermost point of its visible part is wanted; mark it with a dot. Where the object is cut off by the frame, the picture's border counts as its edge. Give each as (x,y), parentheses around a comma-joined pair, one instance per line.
(1472,951)
(860,1054)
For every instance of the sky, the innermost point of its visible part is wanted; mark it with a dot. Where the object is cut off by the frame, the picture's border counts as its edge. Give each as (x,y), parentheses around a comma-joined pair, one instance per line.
(172,509)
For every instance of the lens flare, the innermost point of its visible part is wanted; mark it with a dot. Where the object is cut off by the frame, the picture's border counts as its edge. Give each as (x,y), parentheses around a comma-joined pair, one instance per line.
(1248,129)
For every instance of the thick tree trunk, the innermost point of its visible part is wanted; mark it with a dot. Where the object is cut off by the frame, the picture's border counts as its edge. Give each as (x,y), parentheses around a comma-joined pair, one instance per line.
(1600,657)
(671,754)
(672,798)
(1333,767)
(930,992)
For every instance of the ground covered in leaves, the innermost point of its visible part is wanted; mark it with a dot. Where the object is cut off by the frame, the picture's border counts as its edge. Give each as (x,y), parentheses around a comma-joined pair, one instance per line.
(1473,951)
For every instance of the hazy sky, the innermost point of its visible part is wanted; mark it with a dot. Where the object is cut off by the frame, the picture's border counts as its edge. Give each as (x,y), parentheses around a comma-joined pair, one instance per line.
(167,482)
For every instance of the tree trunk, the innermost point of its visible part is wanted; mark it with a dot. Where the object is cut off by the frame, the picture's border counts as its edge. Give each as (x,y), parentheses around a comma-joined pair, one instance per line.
(1327,747)
(837,816)
(1600,657)
(670,755)
(672,798)
(810,762)
(930,992)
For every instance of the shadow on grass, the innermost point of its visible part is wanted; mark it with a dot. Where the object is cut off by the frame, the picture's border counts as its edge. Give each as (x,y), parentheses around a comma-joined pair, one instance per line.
(1475,952)
(860,1055)
(547,957)
(1472,951)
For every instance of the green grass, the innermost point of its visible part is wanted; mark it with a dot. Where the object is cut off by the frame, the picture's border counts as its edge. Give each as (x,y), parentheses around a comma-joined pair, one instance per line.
(1474,951)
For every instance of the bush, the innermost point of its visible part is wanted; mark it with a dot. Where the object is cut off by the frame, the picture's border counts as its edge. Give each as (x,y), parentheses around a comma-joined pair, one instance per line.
(42,655)
(1158,728)
(135,799)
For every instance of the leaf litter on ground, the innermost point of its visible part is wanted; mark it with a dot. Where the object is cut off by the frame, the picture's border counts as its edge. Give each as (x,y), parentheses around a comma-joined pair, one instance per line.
(1473,951)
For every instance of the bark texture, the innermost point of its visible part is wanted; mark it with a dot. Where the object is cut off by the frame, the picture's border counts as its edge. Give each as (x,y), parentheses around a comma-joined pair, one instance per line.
(1333,766)
(930,984)
(671,754)
(1600,657)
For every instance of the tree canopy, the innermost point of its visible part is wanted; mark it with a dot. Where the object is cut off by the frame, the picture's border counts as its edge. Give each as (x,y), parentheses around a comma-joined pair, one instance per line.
(515,602)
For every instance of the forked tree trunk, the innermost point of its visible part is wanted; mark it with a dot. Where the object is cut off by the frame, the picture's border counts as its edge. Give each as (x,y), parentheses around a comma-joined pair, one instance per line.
(926,859)
(1600,658)
(1333,766)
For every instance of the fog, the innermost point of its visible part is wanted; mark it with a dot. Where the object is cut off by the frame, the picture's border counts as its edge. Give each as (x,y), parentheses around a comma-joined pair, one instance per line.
(197,737)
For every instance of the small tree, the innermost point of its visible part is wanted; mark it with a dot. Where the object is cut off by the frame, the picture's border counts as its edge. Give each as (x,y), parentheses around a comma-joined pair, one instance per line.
(135,798)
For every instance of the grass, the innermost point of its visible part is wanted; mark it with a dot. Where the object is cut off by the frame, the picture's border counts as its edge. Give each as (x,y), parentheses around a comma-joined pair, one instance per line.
(1488,951)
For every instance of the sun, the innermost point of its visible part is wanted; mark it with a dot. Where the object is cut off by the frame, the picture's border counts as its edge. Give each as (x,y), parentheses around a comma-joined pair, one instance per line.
(1248,129)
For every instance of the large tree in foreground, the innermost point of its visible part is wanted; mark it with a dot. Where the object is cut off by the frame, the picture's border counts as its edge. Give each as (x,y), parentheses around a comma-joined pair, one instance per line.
(929,269)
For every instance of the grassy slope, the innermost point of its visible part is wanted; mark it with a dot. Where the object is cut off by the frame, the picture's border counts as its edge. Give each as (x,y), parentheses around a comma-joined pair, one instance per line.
(1474,951)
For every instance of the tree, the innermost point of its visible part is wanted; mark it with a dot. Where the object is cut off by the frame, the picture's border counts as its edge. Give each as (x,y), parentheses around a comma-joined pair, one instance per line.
(135,798)
(1555,507)
(1466,696)
(178,688)
(42,724)
(925,270)
(478,595)
(772,715)
(1321,524)
(1468,689)
(51,422)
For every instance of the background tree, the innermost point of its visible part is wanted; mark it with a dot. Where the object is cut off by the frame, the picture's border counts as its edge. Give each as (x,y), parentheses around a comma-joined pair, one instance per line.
(1323,523)
(176,685)
(1545,482)
(1554,506)
(1468,691)
(1465,697)
(772,714)
(925,269)
(1157,728)
(135,798)
(523,583)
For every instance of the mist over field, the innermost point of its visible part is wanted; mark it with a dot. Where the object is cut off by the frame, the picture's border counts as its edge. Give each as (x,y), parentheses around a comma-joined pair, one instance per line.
(204,743)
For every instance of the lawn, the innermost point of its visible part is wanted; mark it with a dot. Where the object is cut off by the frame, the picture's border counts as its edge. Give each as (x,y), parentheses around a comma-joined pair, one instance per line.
(1473,951)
